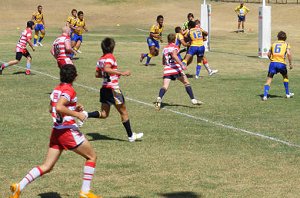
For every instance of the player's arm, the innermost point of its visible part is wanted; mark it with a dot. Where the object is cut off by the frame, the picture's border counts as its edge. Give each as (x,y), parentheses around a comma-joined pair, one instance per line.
(30,43)
(153,35)
(109,70)
(62,109)
(68,47)
(98,73)
(43,21)
(163,60)
(185,44)
(175,57)
(237,10)
(289,56)
(33,17)
(52,51)
(84,27)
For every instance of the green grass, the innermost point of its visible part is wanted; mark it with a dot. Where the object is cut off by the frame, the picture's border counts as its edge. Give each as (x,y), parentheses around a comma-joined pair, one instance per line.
(178,155)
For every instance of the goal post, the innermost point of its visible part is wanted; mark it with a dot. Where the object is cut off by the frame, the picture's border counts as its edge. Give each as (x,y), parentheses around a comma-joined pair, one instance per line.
(206,22)
(264,30)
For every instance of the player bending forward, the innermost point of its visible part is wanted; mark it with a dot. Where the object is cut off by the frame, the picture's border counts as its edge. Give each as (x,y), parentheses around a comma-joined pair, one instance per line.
(21,49)
(110,93)
(277,54)
(65,135)
(173,70)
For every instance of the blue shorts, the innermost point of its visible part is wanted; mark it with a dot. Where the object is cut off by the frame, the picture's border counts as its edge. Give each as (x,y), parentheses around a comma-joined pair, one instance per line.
(276,67)
(195,50)
(39,27)
(241,18)
(153,42)
(76,37)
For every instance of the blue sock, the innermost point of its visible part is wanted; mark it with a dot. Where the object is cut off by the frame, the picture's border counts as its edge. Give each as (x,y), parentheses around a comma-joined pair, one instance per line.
(189,91)
(149,56)
(266,90)
(40,39)
(198,69)
(34,41)
(286,86)
(28,66)
(162,92)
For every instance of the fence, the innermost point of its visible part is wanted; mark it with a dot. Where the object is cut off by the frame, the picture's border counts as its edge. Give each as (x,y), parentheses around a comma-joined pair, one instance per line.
(267,1)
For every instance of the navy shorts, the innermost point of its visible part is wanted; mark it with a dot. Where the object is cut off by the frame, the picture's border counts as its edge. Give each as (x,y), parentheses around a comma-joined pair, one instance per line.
(153,42)
(173,77)
(76,37)
(195,50)
(39,27)
(111,96)
(241,18)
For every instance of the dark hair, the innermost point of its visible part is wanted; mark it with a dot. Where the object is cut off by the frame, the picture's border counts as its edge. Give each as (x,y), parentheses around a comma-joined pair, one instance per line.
(30,24)
(39,6)
(79,13)
(73,10)
(159,17)
(281,35)
(197,21)
(177,29)
(171,38)
(108,45)
(68,73)
(191,24)
(190,15)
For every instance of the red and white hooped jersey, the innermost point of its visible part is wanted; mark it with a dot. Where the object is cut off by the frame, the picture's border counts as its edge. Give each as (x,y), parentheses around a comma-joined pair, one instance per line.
(59,46)
(25,37)
(171,67)
(110,81)
(61,121)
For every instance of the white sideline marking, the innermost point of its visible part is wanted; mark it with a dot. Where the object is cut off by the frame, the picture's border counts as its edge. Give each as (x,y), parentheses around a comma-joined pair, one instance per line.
(141,30)
(185,114)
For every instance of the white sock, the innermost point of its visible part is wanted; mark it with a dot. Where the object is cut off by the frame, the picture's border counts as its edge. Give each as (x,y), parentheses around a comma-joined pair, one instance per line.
(30,177)
(88,173)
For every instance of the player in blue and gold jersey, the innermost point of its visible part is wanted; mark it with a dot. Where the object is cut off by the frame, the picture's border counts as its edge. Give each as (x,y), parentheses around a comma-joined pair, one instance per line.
(79,28)
(38,19)
(197,48)
(153,40)
(277,54)
(71,21)
(241,12)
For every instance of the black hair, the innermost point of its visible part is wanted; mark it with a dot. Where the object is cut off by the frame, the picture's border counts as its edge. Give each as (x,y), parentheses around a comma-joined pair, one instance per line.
(190,15)
(68,73)
(171,38)
(159,17)
(177,29)
(108,45)
(281,35)
(73,10)
(30,24)
(191,24)
(79,13)
(39,6)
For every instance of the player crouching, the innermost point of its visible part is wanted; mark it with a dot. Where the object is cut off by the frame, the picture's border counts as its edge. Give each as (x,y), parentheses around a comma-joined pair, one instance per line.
(173,70)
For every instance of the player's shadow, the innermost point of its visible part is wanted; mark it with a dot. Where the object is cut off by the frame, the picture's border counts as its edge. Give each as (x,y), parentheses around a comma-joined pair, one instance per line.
(150,64)
(50,195)
(75,58)
(22,73)
(270,96)
(164,104)
(186,194)
(98,136)
(129,197)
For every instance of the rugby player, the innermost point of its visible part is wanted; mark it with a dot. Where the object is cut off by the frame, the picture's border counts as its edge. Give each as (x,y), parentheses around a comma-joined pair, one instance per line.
(38,19)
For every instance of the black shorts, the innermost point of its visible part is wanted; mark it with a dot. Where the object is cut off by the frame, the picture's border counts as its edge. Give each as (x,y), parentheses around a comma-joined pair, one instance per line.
(173,77)
(25,53)
(111,96)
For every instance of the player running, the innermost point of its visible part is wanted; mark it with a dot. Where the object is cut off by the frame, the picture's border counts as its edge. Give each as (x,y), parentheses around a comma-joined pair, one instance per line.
(21,49)
(65,135)
(173,70)
(80,27)
(71,21)
(62,47)
(110,93)
(153,40)
(38,19)
(241,12)
(197,48)
(277,54)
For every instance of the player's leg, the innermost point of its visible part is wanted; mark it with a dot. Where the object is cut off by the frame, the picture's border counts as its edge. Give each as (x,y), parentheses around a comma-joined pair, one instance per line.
(189,90)
(28,62)
(151,53)
(87,151)
(187,60)
(243,26)
(207,67)
(36,35)
(13,62)
(199,66)
(51,158)
(162,91)
(126,123)
(78,44)
(239,24)
(267,86)
(43,32)
(284,74)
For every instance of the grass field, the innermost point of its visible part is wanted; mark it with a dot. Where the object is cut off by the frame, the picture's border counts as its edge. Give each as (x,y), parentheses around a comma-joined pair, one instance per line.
(234,145)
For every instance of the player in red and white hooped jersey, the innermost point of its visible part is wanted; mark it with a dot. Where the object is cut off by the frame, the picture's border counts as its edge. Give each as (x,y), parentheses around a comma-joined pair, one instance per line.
(61,47)
(21,49)
(110,93)
(65,135)
(173,69)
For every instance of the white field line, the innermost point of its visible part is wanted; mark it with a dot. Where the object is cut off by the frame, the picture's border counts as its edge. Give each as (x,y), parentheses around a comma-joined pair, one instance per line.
(184,114)
(141,30)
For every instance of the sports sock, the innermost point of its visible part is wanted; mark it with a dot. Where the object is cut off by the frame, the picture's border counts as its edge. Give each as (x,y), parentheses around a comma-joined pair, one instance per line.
(35,37)
(28,65)
(127,126)
(198,69)
(162,92)
(94,114)
(286,86)
(184,62)
(149,56)
(189,90)
(41,38)
(30,177)
(4,65)
(206,65)
(88,173)
(266,90)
